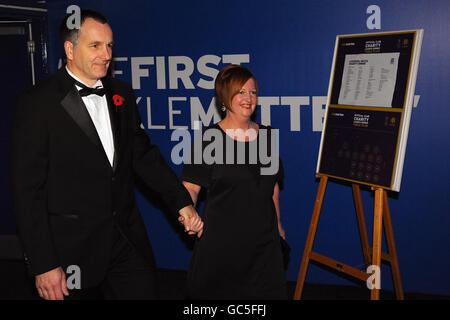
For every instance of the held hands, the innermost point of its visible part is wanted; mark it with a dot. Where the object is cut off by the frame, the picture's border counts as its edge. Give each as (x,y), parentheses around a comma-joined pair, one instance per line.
(52,285)
(192,222)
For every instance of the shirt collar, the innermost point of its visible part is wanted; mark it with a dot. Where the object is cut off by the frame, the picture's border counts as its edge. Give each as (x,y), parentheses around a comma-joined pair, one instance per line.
(97,84)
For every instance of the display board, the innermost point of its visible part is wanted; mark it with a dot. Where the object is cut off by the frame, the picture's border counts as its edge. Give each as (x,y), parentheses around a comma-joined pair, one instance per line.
(369,104)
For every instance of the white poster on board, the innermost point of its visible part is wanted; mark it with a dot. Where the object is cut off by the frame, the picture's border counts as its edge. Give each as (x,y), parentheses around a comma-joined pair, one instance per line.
(369,79)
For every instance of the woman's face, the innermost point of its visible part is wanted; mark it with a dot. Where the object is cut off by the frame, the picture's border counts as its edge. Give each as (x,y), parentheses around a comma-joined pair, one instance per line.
(243,103)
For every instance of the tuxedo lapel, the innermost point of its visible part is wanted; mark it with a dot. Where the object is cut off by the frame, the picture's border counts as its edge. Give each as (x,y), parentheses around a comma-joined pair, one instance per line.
(74,106)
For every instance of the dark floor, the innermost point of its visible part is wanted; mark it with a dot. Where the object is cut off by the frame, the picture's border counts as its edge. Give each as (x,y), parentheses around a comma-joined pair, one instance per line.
(15,285)
(172,287)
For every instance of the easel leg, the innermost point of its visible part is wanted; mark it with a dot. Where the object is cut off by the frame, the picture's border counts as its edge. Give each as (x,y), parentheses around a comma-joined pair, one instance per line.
(361,223)
(377,234)
(310,238)
(391,248)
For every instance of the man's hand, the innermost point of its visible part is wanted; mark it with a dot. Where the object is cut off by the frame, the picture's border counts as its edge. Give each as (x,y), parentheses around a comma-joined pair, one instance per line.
(191,220)
(52,285)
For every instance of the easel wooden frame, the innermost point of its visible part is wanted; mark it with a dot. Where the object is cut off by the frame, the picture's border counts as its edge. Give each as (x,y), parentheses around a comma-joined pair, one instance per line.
(374,257)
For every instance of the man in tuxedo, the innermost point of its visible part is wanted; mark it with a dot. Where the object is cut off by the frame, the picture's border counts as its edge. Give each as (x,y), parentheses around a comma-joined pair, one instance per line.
(76,148)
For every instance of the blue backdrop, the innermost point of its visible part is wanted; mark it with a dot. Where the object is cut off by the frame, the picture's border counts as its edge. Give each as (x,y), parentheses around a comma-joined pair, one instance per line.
(171,51)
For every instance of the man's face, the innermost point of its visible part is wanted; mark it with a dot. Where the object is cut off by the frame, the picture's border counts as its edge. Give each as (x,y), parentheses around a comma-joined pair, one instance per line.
(89,59)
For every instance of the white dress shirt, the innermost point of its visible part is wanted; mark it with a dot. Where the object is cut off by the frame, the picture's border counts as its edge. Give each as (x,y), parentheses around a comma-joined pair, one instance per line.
(98,110)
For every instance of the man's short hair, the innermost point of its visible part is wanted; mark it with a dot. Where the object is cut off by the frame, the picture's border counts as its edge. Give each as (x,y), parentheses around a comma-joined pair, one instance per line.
(71,34)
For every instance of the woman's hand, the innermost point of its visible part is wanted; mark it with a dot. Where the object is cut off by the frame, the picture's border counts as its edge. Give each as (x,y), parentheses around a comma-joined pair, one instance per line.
(192,222)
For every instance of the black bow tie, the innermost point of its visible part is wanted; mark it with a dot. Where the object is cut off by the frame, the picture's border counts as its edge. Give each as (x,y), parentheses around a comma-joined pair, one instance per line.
(85,91)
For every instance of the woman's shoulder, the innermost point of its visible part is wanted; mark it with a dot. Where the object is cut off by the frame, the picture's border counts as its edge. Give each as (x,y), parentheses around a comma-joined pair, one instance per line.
(264,127)
(211,126)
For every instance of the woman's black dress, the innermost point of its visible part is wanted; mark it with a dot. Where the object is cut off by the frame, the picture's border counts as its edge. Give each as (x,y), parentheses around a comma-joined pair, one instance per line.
(239,255)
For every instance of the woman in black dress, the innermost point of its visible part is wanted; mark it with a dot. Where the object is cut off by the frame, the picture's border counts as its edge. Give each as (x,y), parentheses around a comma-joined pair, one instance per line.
(239,254)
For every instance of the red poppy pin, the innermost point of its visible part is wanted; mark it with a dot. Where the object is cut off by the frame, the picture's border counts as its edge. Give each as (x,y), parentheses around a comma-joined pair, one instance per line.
(118,100)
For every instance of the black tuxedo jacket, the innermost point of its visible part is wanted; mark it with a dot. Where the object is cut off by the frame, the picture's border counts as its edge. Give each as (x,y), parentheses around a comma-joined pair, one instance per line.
(66,195)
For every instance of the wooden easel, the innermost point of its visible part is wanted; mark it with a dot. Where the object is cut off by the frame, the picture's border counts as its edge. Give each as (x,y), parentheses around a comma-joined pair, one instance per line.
(381,211)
